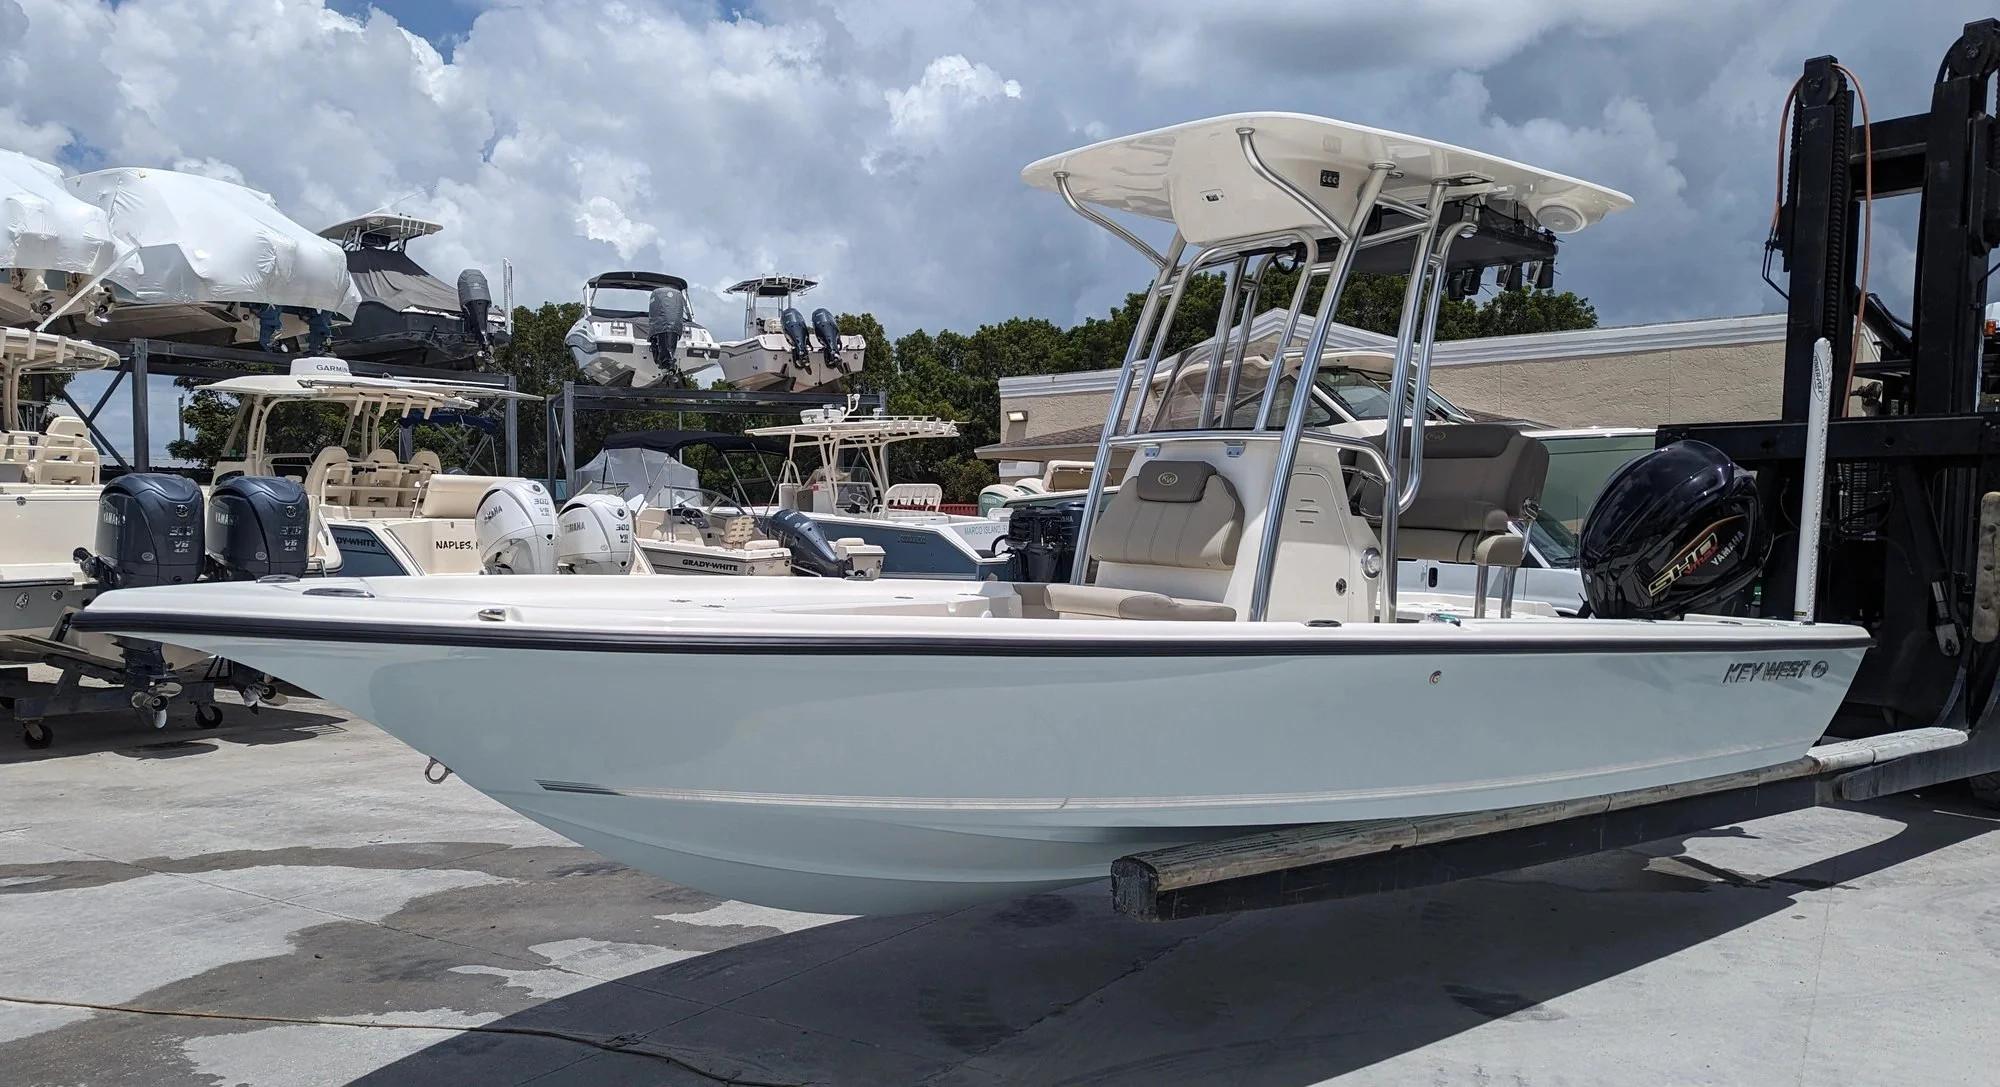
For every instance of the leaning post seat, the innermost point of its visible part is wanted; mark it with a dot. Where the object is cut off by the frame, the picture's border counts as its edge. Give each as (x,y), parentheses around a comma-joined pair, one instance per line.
(1171,515)
(1479,480)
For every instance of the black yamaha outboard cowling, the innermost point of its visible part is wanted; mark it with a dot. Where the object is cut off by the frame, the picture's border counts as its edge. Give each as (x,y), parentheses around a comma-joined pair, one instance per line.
(1678,530)
(809,547)
(1042,540)
(795,331)
(829,335)
(475,304)
(149,532)
(666,319)
(258,526)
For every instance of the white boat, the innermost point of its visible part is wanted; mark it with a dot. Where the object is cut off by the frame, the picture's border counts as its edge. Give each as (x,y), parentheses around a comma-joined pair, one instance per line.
(1233,658)
(848,493)
(53,246)
(407,316)
(617,343)
(374,513)
(681,527)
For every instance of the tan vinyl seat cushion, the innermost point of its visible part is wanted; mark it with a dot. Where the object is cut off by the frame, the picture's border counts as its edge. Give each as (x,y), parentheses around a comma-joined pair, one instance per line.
(1185,514)
(1102,602)
(1477,478)
(454,496)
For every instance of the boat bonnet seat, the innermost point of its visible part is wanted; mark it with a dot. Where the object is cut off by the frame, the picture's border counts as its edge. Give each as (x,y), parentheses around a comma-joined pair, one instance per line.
(1478,479)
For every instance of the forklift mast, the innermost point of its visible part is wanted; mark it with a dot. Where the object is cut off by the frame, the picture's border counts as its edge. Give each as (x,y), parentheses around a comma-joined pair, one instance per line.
(1913,445)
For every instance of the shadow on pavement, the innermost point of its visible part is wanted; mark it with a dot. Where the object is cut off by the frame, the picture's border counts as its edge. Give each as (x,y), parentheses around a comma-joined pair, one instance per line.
(1055,989)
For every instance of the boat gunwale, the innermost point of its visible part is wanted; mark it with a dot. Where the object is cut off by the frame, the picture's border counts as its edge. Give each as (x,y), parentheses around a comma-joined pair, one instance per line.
(498,635)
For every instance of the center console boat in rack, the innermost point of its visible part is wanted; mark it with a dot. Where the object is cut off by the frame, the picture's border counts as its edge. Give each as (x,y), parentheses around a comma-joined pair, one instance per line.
(1232,657)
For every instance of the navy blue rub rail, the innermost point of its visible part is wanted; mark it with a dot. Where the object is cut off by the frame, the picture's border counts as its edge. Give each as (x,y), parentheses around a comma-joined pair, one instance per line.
(499,636)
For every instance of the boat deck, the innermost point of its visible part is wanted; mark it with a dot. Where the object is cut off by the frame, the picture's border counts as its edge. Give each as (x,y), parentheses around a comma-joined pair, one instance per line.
(301,870)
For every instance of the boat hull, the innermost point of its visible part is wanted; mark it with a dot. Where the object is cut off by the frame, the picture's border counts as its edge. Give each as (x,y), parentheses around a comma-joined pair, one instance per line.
(843,780)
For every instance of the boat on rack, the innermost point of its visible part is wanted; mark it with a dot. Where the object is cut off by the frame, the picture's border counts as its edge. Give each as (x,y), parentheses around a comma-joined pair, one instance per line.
(638,330)
(407,316)
(1231,658)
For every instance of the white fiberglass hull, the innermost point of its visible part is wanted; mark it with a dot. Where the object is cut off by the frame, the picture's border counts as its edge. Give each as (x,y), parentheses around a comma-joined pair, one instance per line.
(863,763)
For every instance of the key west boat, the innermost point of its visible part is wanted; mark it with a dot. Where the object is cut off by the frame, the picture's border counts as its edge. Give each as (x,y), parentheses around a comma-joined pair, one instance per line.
(1232,658)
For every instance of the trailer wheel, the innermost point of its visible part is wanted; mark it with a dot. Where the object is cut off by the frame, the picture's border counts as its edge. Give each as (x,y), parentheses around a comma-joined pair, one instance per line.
(37,735)
(1985,789)
(207,715)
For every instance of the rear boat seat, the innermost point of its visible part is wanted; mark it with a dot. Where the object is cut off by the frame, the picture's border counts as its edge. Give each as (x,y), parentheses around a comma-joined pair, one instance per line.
(1173,513)
(1478,479)
(455,497)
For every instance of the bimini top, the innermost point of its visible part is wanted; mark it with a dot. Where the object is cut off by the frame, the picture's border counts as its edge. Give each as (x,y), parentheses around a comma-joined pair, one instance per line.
(773,286)
(636,281)
(1196,176)
(671,442)
(319,378)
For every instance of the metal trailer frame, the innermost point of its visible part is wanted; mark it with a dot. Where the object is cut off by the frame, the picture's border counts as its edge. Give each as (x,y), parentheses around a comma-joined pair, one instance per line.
(560,411)
(165,358)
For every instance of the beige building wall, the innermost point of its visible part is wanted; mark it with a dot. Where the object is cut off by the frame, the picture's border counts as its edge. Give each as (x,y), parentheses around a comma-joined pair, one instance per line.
(1048,414)
(1649,388)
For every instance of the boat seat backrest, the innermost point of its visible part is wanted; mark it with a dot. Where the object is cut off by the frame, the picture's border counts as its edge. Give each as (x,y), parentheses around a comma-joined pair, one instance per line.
(1477,477)
(914,496)
(734,530)
(331,476)
(424,464)
(453,496)
(1171,513)
(63,453)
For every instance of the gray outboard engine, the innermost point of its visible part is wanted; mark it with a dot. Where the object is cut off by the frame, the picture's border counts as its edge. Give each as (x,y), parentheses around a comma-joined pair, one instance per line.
(1678,530)
(149,532)
(795,331)
(475,304)
(811,553)
(258,527)
(666,320)
(829,336)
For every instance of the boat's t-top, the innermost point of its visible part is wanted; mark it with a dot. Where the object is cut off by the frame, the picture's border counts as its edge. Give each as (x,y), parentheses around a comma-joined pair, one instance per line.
(61,452)
(1223,445)
(839,441)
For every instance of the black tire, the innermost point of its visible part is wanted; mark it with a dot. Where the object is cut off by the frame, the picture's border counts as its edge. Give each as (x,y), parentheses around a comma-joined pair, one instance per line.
(207,715)
(37,735)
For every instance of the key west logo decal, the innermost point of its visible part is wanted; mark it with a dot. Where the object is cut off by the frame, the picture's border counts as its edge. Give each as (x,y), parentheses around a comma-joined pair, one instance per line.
(1709,545)
(1769,671)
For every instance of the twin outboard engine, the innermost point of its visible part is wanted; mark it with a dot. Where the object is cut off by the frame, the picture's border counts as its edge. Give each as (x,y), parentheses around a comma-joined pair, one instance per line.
(594,536)
(1678,530)
(796,333)
(475,304)
(811,552)
(516,528)
(666,320)
(829,337)
(258,526)
(149,532)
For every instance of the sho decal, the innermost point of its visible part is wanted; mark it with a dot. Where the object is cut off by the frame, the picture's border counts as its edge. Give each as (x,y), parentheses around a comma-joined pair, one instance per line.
(1710,545)
(1770,671)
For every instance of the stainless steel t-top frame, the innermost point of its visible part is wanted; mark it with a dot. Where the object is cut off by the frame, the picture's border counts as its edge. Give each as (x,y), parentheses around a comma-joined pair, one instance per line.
(1402,467)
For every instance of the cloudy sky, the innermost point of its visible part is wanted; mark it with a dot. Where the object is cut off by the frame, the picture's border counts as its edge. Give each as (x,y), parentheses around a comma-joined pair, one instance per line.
(876,144)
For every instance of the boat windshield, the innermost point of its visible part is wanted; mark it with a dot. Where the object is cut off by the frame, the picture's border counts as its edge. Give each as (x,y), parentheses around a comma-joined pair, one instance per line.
(1553,541)
(621,303)
(1346,394)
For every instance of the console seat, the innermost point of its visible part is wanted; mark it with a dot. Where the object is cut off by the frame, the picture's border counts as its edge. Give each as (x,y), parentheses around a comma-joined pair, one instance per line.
(1181,514)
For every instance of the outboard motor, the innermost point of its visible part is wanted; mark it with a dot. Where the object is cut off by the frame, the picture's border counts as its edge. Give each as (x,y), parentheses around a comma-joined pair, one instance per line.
(666,320)
(795,331)
(258,526)
(475,304)
(149,532)
(811,553)
(594,536)
(516,528)
(829,336)
(1678,530)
